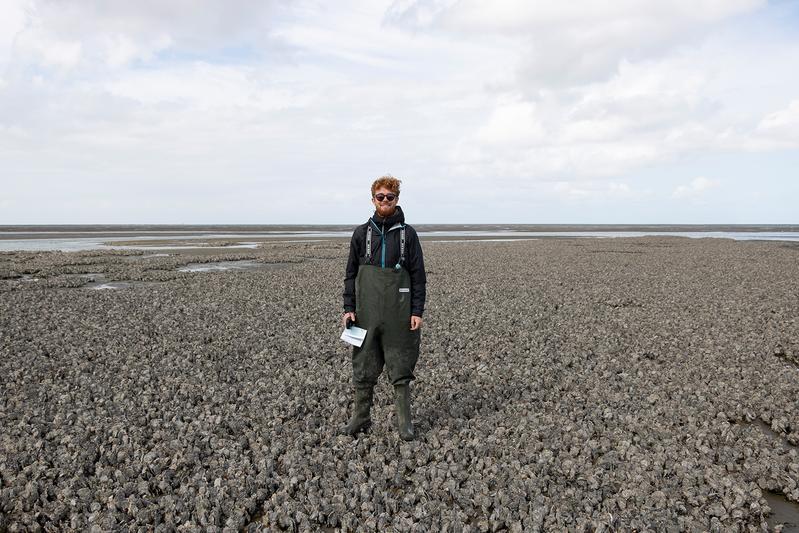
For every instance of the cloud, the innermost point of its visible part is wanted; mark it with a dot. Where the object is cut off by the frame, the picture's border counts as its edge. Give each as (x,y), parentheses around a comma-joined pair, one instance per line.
(596,191)
(566,101)
(12,21)
(523,15)
(203,86)
(697,187)
(89,33)
(781,128)
(571,43)
(706,99)
(511,124)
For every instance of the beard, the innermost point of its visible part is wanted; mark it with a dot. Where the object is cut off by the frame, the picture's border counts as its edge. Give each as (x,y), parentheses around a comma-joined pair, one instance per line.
(385,210)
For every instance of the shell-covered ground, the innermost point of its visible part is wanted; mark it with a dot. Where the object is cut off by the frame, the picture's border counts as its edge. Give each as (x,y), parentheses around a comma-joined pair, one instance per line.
(565,384)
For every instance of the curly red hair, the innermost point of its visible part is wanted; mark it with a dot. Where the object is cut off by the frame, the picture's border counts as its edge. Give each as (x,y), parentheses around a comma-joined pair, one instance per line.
(389,182)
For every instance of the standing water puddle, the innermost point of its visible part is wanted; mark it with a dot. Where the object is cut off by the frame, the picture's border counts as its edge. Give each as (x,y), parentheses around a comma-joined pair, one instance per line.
(99,285)
(222,266)
(765,428)
(98,281)
(134,258)
(783,511)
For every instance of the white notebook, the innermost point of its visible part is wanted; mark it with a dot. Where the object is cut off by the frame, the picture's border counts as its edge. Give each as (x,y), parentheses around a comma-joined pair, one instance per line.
(353,335)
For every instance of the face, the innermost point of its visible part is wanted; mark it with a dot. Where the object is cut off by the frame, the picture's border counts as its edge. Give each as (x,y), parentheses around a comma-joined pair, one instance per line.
(386,207)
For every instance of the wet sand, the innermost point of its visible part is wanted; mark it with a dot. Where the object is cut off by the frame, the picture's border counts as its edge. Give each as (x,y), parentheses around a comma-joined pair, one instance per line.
(622,384)
(193,239)
(118,232)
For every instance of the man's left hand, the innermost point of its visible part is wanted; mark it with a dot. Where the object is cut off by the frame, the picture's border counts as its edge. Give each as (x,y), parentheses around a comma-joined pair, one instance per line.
(416,322)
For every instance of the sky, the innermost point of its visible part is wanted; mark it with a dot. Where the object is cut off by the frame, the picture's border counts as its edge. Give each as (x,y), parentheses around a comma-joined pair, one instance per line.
(511,111)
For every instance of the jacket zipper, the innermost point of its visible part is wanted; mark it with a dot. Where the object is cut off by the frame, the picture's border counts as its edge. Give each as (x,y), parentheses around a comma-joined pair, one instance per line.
(383,246)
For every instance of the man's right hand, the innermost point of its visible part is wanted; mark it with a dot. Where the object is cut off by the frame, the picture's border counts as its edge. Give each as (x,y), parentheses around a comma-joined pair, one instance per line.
(349,315)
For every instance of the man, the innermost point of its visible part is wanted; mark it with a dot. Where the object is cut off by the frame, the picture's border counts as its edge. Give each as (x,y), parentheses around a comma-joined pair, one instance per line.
(384,293)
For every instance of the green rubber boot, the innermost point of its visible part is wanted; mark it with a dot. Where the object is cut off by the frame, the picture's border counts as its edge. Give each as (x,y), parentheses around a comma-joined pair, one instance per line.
(402,405)
(360,420)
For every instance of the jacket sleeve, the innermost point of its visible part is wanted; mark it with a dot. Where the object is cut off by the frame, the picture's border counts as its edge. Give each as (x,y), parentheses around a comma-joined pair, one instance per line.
(418,276)
(350,274)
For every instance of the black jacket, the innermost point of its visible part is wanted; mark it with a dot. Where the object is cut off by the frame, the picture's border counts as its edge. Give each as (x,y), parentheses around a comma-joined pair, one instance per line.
(387,256)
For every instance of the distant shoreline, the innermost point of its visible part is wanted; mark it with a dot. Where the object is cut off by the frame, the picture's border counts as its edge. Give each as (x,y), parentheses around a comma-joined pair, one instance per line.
(15,232)
(206,237)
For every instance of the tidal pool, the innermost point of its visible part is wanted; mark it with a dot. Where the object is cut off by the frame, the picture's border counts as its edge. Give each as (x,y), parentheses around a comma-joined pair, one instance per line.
(222,266)
(783,512)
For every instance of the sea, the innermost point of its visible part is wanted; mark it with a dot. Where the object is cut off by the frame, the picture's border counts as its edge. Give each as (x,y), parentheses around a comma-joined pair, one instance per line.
(176,237)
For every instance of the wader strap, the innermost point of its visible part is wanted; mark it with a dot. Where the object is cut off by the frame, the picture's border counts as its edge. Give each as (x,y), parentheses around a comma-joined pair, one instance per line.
(402,246)
(369,244)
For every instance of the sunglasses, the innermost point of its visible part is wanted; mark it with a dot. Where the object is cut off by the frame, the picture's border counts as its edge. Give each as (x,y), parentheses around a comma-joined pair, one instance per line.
(390,197)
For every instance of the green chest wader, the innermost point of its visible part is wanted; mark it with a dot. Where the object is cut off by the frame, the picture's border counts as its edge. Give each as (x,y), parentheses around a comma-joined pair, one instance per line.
(383,308)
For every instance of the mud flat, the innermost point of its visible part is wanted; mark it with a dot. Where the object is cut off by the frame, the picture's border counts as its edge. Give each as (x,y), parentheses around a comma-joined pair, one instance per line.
(564,384)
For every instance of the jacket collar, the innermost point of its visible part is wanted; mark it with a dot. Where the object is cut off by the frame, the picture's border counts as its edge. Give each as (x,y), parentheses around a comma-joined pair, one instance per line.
(397,218)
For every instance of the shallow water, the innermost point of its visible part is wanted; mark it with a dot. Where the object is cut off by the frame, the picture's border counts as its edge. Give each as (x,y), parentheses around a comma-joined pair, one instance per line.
(150,241)
(111,285)
(92,243)
(222,266)
(782,441)
(782,512)
(134,258)
(99,281)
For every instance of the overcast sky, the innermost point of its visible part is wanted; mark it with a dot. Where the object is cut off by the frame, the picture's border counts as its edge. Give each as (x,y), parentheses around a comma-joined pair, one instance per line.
(258,111)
